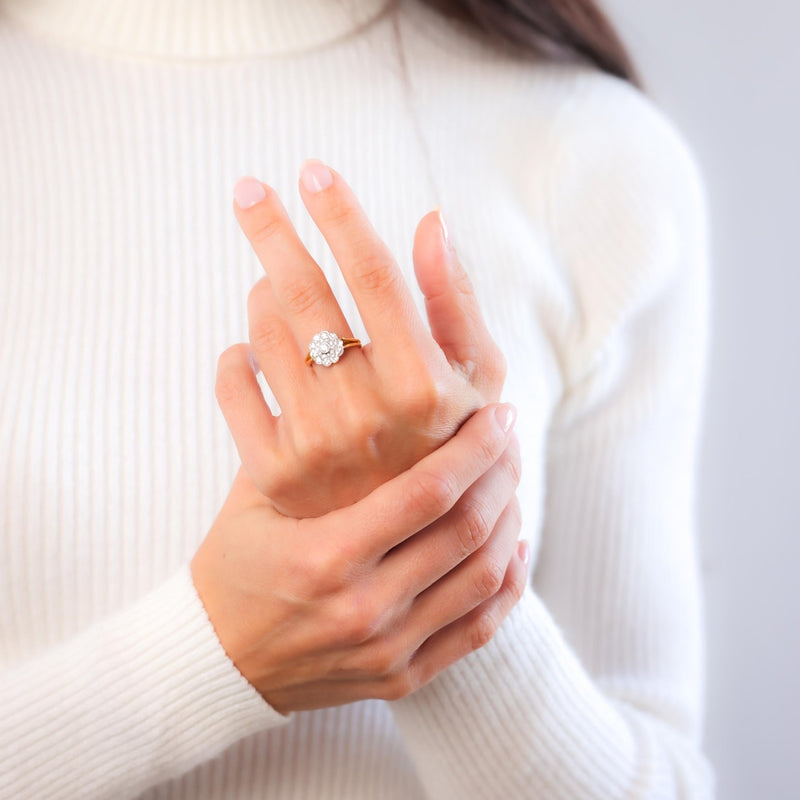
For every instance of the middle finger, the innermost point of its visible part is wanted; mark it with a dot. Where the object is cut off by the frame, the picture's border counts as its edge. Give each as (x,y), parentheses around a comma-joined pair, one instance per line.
(375,280)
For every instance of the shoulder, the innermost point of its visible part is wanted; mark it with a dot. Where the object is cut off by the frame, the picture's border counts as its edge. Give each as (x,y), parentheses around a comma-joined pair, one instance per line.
(608,136)
(625,206)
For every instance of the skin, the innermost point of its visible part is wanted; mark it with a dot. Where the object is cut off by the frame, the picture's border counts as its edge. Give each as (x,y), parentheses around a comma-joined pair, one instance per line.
(375,599)
(403,556)
(397,398)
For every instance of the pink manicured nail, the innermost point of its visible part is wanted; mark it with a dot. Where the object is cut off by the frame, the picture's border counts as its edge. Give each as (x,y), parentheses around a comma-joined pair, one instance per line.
(253,363)
(505,414)
(248,192)
(524,552)
(315,175)
(448,242)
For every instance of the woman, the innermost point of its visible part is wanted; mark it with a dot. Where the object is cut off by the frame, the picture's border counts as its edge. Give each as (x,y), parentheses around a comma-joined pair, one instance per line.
(351,618)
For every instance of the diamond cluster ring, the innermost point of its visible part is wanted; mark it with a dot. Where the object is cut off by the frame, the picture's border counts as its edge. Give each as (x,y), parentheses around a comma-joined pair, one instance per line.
(326,348)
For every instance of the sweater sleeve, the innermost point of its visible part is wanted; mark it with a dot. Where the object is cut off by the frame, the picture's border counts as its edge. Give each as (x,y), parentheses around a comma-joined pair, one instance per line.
(139,697)
(593,686)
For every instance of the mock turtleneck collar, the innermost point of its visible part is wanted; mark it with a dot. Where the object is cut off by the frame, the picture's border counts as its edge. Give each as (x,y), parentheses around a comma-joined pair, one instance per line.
(195,29)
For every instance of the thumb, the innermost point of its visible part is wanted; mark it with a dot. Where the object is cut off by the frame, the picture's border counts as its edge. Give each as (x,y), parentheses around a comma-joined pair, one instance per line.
(454,316)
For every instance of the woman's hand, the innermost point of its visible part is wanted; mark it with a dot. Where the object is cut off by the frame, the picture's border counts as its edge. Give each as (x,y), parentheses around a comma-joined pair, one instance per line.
(345,429)
(373,600)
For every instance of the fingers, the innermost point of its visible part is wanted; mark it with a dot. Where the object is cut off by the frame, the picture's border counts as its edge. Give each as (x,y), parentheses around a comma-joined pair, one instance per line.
(276,347)
(375,280)
(394,667)
(414,499)
(299,284)
(472,582)
(246,412)
(472,631)
(423,559)
(454,316)
(389,672)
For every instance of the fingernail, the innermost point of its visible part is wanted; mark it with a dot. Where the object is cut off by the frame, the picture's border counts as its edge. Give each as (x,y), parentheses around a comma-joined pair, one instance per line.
(505,414)
(248,192)
(315,176)
(253,363)
(524,552)
(448,242)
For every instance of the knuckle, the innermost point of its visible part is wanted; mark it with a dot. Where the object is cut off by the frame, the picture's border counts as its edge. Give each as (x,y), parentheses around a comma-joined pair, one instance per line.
(482,629)
(267,333)
(356,626)
(374,272)
(385,661)
(473,528)
(486,449)
(362,421)
(313,445)
(338,211)
(367,426)
(300,297)
(433,494)
(358,619)
(265,229)
(397,686)
(490,578)
(326,570)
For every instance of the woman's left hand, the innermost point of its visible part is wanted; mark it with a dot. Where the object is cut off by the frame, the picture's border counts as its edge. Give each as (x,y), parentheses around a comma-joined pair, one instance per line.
(345,429)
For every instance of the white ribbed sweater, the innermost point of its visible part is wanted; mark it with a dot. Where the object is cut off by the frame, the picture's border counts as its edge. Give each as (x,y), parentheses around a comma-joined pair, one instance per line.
(579,211)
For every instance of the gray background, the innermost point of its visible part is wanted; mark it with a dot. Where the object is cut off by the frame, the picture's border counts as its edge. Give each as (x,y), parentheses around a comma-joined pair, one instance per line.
(728,73)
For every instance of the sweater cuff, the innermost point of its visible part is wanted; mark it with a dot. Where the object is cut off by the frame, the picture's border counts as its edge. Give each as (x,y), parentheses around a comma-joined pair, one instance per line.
(520,717)
(139,697)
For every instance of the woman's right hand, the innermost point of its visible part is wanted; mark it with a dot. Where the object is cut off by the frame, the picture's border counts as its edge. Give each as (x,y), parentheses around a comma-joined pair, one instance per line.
(375,599)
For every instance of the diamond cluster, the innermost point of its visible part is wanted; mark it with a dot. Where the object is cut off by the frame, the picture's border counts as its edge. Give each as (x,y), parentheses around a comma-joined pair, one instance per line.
(325,348)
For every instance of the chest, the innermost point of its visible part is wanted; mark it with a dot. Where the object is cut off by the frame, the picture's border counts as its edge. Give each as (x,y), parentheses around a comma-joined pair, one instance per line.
(124,275)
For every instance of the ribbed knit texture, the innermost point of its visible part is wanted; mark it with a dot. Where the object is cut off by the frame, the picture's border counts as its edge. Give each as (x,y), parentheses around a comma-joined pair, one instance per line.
(580,213)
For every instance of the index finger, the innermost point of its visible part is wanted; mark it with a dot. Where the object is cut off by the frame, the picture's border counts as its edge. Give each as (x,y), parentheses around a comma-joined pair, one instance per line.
(406,504)
(299,284)
(376,282)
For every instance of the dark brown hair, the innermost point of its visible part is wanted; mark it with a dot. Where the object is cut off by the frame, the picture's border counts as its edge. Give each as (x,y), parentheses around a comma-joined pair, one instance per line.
(555,29)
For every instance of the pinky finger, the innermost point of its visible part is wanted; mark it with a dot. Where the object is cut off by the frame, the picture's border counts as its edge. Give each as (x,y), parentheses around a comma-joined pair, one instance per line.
(475,629)
(249,419)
